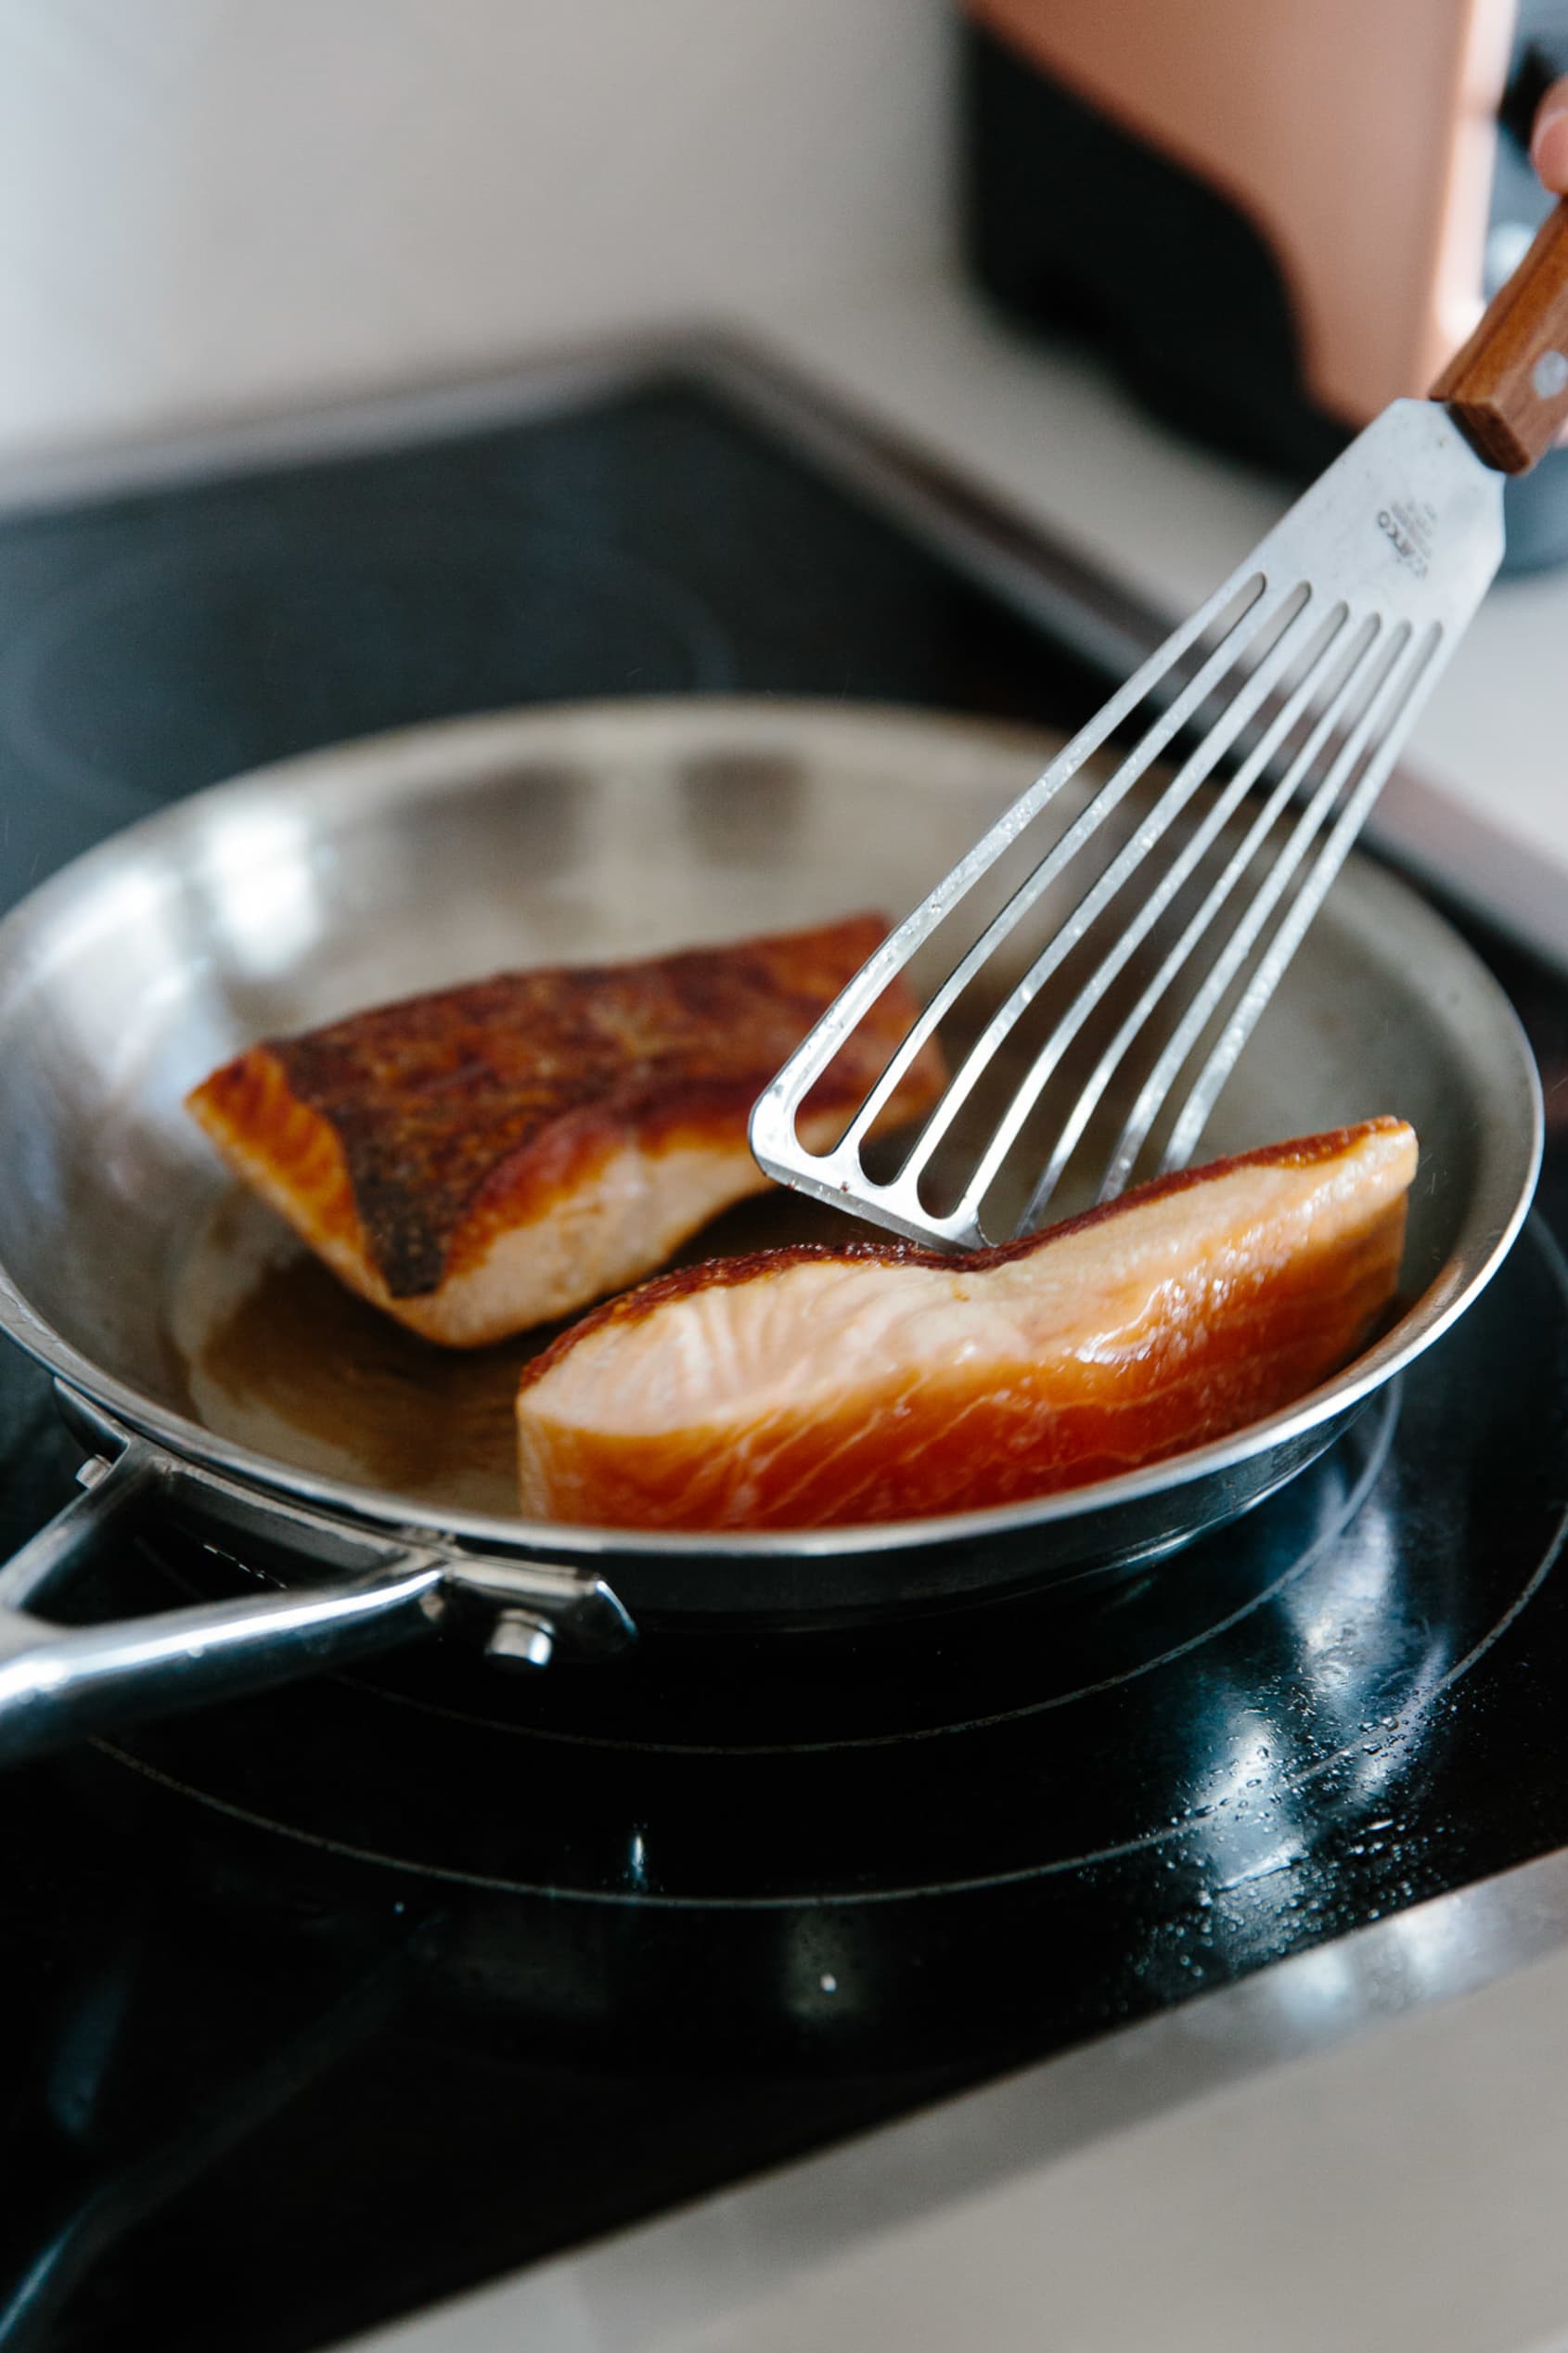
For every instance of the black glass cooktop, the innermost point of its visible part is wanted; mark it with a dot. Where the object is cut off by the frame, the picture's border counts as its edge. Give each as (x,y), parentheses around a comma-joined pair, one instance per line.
(325,2004)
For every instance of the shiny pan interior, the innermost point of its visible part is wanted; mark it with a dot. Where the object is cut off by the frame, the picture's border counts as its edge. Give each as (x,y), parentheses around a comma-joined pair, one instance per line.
(361,873)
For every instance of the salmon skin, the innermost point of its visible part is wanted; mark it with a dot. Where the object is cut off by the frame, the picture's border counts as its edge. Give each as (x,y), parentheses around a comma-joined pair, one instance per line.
(492,1156)
(821,1387)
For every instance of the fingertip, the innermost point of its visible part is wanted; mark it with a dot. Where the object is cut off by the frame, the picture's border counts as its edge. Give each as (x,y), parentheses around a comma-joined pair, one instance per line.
(1548,141)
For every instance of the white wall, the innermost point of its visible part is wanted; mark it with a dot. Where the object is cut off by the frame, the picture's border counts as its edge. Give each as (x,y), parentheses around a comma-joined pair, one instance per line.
(212,205)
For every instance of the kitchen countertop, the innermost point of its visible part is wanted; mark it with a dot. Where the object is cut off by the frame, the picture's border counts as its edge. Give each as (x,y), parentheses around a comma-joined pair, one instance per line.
(1049,430)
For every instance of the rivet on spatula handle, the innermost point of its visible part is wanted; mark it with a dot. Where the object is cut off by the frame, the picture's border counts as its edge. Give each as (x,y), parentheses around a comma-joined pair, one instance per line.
(1507,388)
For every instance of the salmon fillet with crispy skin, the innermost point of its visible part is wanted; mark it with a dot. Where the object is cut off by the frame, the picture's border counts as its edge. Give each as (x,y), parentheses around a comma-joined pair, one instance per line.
(492,1156)
(821,1387)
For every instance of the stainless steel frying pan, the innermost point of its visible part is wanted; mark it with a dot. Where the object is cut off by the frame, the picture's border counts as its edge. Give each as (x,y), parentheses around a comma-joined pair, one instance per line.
(361,873)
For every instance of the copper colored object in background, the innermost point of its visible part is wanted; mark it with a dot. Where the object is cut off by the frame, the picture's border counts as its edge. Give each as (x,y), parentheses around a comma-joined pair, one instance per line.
(1357,137)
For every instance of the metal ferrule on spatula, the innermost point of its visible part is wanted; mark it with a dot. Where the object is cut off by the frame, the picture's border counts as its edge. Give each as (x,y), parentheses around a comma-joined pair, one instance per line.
(1248,750)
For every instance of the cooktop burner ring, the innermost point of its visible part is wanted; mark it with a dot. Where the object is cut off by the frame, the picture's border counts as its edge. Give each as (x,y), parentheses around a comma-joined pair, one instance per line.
(658,1899)
(1338,1680)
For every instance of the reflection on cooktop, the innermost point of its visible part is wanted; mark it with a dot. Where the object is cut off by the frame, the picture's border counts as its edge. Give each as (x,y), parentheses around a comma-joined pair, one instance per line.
(190,660)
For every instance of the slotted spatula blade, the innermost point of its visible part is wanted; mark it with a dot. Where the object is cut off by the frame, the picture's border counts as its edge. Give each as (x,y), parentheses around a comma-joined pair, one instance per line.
(1300,678)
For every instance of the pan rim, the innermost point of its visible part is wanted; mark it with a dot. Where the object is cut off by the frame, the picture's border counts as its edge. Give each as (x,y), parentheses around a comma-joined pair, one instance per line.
(1426,1319)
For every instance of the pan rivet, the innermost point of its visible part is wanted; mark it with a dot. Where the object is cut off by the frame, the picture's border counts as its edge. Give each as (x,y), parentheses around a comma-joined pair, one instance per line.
(519,1639)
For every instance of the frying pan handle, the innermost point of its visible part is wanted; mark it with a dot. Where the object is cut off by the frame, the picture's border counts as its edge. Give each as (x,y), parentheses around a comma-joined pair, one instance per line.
(59,1682)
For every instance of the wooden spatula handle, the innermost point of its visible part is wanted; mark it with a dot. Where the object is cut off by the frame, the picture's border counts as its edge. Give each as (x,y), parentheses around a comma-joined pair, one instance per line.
(1507,388)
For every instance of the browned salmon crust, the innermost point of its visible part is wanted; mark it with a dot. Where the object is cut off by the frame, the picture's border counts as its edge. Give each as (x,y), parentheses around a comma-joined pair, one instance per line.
(486,1157)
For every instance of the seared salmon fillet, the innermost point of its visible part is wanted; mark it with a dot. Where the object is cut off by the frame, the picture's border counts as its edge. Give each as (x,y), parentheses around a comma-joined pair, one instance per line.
(490,1156)
(818,1386)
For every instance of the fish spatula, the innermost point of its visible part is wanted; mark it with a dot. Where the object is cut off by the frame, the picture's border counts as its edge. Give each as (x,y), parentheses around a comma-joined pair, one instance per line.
(1169,915)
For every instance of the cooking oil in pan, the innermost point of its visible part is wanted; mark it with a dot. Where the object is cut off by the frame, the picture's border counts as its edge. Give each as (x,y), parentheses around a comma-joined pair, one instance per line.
(279,1357)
